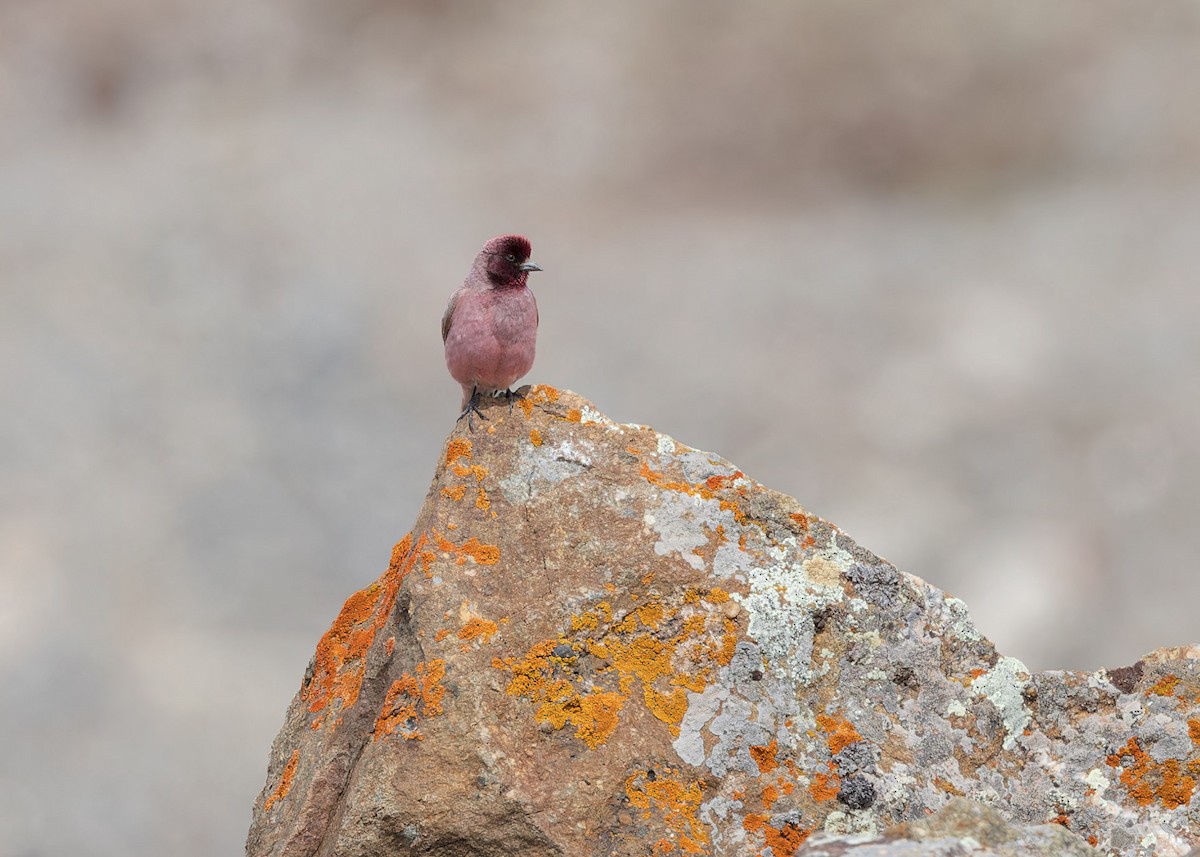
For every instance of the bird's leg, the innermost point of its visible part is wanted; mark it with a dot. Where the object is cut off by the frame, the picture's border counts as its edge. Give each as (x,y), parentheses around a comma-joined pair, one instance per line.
(513,396)
(472,405)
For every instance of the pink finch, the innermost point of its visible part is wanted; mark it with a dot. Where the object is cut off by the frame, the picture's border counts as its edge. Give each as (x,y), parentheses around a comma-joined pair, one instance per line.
(490,325)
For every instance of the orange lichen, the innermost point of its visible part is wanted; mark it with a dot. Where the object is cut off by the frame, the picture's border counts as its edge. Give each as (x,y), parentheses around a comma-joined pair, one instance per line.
(471,549)
(339,664)
(839,733)
(824,786)
(1148,781)
(401,550)
(724,655)
(948,787)
(675,802)
(285,782)
(694,683)
(716,483)
(574,415)
(783,841)
(594,716)
(476,470)
(441,634)
(632,651)
(667,707)
(481,553)
(650,614)
(1194,730)
(482,501)
(1165,686)
(458,448)
(535,437)
(645,657)
(400,706)
(692,626)
(537,395)
(764,756)
(454,492)
(702,491)
(769,796)
(390,645)
(478,627)
(754,822)
(585,622)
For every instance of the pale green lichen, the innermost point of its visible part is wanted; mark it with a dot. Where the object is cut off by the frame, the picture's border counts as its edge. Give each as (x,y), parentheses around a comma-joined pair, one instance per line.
(1004,686)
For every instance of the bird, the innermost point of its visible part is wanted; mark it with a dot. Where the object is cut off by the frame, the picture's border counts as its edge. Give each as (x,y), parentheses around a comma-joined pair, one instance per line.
(490,325)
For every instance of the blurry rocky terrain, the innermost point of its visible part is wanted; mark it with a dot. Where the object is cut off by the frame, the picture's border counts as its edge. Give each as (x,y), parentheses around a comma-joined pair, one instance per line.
(930,270)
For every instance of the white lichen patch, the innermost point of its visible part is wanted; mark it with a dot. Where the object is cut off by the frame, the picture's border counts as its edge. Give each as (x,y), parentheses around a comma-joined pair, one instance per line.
(1004,685)
(781,603)
(542,466)
(731,561)
(721,808)
(842,823)
(666,445)
(702,707)
(837,557)
(592,416)
(681,521)
(960,624)
(1096,779)
(739,726)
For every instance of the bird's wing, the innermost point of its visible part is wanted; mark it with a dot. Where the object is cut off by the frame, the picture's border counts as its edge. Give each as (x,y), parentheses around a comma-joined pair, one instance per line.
(449,314)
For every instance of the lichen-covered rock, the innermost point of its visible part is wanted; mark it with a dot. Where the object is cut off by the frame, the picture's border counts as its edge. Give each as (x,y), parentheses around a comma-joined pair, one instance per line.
(597,641)
(961,827)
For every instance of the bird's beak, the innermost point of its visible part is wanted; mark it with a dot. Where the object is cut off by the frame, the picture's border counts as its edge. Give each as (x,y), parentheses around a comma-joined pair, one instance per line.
(530,266)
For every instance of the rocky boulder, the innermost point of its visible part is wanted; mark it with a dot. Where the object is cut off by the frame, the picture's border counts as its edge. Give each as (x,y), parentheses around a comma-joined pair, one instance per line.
(597,641)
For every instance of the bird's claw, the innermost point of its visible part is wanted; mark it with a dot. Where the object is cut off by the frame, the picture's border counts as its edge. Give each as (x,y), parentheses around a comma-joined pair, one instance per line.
(472,407)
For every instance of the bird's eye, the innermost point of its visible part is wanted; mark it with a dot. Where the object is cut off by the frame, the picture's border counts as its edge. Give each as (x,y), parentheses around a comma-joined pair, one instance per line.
(510,257)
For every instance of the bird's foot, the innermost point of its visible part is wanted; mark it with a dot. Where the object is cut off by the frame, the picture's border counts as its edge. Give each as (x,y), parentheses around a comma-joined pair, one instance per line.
(472,407)
(514,396)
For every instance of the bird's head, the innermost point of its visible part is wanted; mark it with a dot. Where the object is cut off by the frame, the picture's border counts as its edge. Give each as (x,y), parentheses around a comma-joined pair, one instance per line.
(506,260)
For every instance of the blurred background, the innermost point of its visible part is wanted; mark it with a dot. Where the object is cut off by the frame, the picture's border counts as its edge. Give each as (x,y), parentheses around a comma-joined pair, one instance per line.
(930,268)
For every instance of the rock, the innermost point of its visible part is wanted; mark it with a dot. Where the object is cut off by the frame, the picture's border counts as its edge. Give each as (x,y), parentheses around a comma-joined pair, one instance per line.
(597,641)
(962,826)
